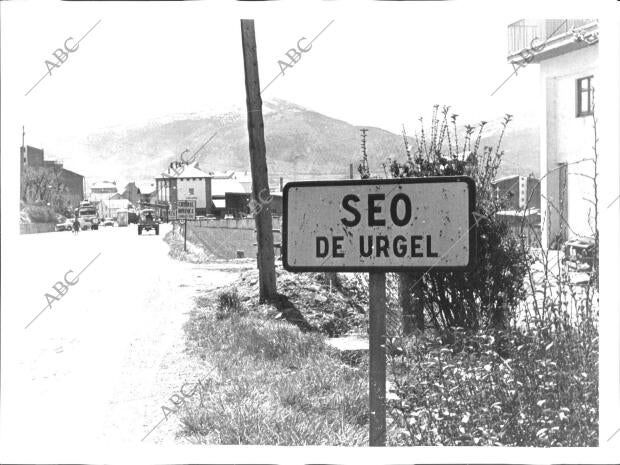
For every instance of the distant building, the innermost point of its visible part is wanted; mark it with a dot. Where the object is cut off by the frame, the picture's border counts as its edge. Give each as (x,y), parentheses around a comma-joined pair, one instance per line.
(567,52)
(131,193)
(148,191)
(102,190)
(518,192)
(102,193)
(191,184)
(223,186)
(237,204)
(31,156)
(73,183)
(113,206)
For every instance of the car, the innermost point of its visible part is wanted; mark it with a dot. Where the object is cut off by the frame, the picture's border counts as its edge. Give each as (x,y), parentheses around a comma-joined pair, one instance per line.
(64,225)
(147,221)
(228,216)
(108,222)
(211,217)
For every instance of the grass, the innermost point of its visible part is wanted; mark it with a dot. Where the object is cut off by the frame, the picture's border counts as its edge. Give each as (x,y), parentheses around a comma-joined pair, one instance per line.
(192,255)
(275,385)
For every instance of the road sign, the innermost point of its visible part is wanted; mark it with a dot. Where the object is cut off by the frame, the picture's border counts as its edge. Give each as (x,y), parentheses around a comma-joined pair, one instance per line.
(186,210)
(379,224)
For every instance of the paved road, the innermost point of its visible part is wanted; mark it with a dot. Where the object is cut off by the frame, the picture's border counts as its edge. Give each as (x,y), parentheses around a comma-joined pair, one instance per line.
(94,368)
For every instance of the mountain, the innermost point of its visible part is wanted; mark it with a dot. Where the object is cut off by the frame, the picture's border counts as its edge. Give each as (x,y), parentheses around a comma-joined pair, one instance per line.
(300,143)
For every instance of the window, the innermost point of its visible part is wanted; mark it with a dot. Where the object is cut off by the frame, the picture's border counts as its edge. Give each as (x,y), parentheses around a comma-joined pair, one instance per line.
(585,96)
(191,191)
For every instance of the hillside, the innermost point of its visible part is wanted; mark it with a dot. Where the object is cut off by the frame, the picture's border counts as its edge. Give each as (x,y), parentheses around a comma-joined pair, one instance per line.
(300,143)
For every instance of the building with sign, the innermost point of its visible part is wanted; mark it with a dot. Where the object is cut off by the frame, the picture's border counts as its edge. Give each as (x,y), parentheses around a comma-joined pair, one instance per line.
(190,184)
(566,51)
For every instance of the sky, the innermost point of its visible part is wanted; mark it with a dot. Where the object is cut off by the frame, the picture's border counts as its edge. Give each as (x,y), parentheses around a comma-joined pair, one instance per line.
(376,64)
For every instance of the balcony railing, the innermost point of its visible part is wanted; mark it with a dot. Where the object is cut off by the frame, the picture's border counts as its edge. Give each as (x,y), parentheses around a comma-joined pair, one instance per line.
(521,33)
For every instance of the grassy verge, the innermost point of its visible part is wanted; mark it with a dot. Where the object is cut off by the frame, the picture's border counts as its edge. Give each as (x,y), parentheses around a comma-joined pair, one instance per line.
(273,384)
(193,254)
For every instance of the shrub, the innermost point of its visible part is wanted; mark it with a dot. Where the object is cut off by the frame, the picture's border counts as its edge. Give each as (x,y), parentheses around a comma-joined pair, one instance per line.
(39,213)
(536,393)
(483,296)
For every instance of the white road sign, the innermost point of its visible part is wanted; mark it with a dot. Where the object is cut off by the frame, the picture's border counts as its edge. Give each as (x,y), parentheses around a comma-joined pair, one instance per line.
(186,210)
(379,224)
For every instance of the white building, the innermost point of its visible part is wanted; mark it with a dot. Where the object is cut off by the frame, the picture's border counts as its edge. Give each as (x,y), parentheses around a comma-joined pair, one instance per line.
(567,54)
(102,191)
(113,206)
(190,184)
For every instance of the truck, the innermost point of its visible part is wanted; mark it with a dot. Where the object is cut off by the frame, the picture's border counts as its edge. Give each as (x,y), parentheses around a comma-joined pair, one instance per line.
(87,215)
(148,221)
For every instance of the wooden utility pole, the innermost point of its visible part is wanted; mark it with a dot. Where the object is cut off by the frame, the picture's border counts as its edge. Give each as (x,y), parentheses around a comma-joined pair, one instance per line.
(258,163)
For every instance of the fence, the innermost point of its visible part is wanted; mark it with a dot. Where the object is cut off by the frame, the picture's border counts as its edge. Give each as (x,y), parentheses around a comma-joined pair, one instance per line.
(243,223)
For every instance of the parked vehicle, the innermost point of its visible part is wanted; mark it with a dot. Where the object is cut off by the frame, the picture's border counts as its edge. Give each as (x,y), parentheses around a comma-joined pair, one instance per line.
(132,217)
(64,224)
(87,215)
(122,218)
(228,216)
(107,222)
(579,254)
(148,221)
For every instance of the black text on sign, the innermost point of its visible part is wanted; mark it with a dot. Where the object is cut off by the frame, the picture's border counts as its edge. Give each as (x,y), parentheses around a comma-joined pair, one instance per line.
(381,225)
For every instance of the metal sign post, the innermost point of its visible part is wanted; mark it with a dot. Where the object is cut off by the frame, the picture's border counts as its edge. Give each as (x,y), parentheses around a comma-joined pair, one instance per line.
(375,226)
(185,210)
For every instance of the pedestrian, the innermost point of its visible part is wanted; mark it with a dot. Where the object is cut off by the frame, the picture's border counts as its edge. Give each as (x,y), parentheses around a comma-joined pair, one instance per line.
(76,225)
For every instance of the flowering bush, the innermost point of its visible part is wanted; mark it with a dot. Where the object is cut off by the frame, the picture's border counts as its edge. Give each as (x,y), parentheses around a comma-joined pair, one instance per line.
(485,295)
(499,389)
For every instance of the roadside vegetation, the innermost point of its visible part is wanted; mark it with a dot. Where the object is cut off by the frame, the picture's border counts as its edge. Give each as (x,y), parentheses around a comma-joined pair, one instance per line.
(273,384)
(43,195)
(505,354)
(175,241)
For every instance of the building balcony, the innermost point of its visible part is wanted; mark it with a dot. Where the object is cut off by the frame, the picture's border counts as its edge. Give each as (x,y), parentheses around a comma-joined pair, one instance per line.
(536,40)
